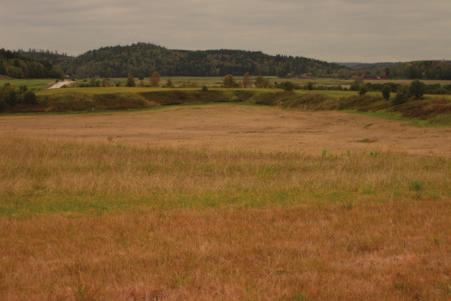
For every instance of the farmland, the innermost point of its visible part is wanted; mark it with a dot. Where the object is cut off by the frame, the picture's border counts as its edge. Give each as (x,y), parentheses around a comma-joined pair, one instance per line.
(228,201)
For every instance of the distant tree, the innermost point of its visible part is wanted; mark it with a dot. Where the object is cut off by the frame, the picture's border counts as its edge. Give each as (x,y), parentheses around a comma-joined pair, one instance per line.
(155,79)
(93,82)
(29,98)
(309,86)
(286,86)
(357,84)
(204,89)
(106,82)
(130,81)
(363,90)
(417,89)
(169,84)
(229,82)
(402,95)
(261,82)
(9,94)
(386,91)
(247,80)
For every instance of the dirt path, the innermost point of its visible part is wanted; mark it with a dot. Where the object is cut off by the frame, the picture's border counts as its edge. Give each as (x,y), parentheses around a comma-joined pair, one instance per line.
(61,84)
(236,127)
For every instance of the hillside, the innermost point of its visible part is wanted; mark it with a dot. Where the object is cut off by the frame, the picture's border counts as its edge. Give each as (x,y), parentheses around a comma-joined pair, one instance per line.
(141,59)
(440,70)
(16,65)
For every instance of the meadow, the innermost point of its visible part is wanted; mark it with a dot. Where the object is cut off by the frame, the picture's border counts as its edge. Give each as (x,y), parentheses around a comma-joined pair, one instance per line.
(223,201)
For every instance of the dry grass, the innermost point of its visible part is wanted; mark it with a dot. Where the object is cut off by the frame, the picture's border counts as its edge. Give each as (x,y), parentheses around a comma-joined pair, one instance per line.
(235,127)
(389,251)
(117,219)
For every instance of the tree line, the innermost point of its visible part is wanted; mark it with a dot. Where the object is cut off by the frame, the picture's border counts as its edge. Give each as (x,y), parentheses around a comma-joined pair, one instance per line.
(12,96)
(141,59)
(14,64)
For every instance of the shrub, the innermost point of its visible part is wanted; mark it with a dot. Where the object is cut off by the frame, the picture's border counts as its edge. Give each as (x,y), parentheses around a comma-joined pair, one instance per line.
(363,90)
(29,98)
(261,82)
(9,95)
(402,95)
(309,86)
(417,89)
(131,81)
(155,79)
(357,84)
(229,82)
(287,86)
(169,84)
(386,91)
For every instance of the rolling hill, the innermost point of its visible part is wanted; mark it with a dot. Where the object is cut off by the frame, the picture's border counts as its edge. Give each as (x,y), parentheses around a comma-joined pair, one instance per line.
(141,59)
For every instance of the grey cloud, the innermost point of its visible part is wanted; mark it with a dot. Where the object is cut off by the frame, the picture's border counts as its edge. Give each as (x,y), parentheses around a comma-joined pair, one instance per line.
(335,30)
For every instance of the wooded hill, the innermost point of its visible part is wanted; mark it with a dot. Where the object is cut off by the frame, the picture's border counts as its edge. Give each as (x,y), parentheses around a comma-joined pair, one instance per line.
(141,59)
(17,65)
(439,70)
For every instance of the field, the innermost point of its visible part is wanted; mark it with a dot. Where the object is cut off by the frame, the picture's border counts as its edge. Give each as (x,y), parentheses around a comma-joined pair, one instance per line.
(223,201)
(33,84)
(217,82)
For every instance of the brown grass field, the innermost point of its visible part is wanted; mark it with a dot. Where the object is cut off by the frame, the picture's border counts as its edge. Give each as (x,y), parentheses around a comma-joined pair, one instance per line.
(223,202)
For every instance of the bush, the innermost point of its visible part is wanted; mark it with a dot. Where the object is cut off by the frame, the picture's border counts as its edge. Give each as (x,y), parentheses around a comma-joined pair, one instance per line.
(229,82)
(287,86)
(29,98)
(9,95)
(386,91)
(363,90)
(261,82)
(131,81)
(402,95)
(417,89)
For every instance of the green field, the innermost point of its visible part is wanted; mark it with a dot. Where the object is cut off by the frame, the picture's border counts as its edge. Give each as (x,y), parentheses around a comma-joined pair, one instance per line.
(33,84)
(187,83)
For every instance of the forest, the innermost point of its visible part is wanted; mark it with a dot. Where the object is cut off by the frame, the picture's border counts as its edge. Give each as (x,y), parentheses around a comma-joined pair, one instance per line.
(141,59)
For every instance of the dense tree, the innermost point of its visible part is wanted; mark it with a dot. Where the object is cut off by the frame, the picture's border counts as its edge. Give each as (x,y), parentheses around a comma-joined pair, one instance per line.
(139,58)
(13,64)
(10,96)
(410,70)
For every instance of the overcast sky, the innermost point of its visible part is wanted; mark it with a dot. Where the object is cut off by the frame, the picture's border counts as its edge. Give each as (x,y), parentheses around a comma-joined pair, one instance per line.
(333,30)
